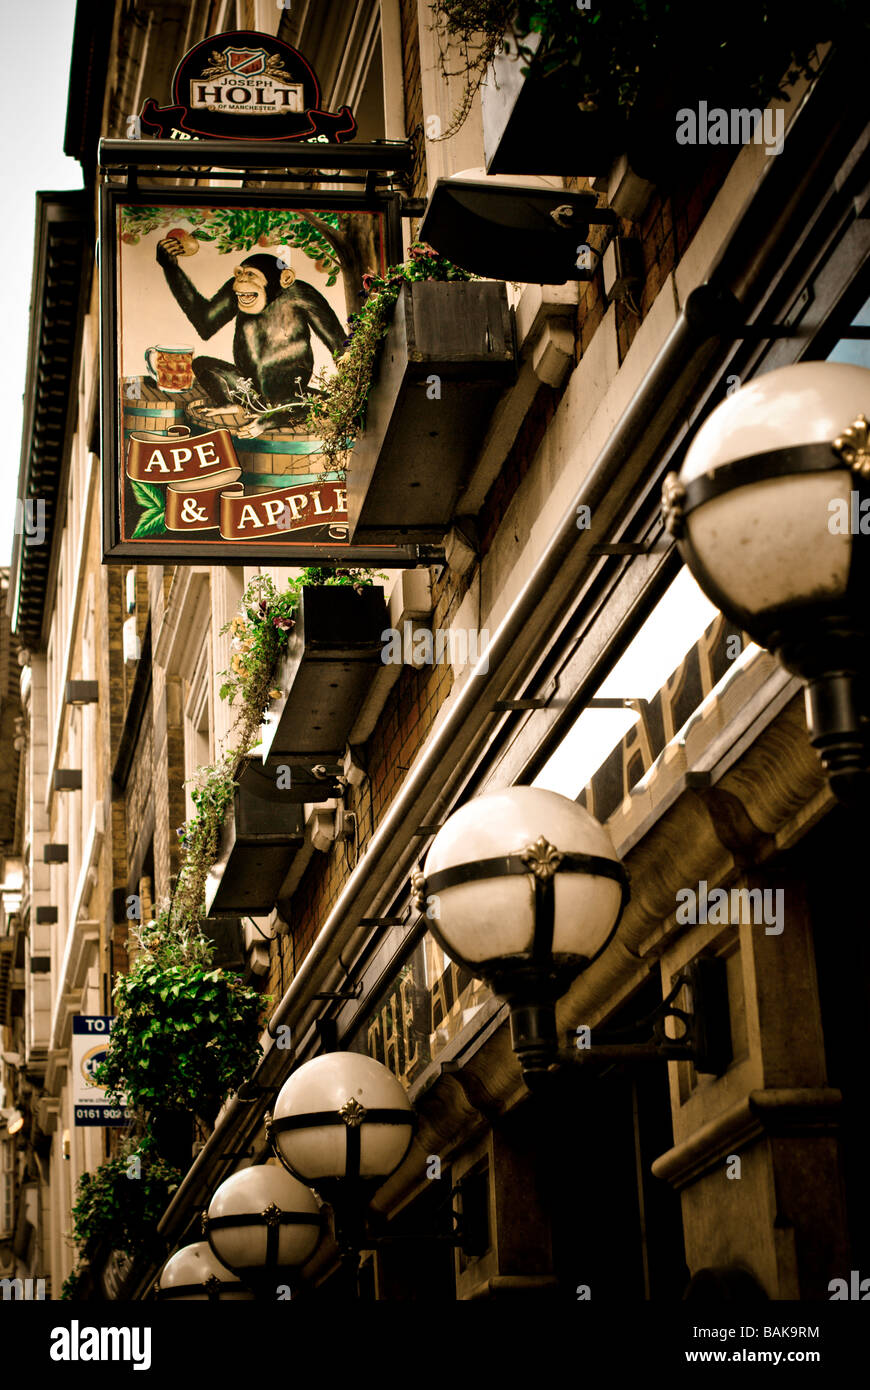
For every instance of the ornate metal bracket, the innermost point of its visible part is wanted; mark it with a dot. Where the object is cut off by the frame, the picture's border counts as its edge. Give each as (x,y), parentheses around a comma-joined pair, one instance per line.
(706,1036)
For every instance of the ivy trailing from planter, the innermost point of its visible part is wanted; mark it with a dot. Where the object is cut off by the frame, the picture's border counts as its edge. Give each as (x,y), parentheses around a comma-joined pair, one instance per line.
(612,54)
(260,633)
(337,415)
(119,1205)
(185,1033)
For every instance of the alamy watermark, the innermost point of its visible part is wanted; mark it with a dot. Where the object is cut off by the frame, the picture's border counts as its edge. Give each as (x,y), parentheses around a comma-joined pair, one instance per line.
(850,518)
(77,1343)
(737,126)
(421,647)
(25,1289)
(751,906)
(30,519)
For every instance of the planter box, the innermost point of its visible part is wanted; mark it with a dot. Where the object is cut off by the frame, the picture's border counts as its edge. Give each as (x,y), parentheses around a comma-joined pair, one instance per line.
(409,465)
(258,843)
(334,652)
(270,780)
(567,141)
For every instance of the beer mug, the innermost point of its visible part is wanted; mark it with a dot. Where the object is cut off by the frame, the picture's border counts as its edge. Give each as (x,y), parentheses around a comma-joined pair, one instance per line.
(172,368)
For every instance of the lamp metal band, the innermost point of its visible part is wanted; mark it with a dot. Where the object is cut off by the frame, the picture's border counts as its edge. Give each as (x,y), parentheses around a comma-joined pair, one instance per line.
(272,1218)
(508,864)
(773,463)
(286,1218)
(212,1286)
(375,1116)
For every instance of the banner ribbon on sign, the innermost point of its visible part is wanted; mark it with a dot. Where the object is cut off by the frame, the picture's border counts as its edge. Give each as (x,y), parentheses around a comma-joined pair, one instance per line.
(201,473)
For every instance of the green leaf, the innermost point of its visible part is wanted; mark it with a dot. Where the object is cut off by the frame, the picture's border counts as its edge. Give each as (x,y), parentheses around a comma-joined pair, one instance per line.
(149,524)
(148,496)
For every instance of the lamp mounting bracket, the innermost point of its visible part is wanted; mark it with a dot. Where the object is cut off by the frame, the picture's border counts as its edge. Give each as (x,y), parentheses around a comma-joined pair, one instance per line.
(465,1236)
(706,1036)
(533,702)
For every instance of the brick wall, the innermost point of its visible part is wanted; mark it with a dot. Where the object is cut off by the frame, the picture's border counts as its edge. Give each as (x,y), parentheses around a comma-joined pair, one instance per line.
(413,91)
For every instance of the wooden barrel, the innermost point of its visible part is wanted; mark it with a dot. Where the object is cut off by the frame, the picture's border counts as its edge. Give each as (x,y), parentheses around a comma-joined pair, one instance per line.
(281,456)
(147,409)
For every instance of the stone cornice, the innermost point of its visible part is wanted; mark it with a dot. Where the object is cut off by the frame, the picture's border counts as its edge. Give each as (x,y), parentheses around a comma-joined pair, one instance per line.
(793,1111)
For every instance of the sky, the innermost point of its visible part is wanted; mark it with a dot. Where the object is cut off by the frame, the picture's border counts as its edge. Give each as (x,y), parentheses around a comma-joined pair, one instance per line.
(32,120)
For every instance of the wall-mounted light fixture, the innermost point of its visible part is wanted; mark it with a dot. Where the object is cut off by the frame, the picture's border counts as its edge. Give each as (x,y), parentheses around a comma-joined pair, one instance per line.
(342,1124)
(195,1274)
(262,1223)
(524,888)
(770,512)
(513,226)
(131,642)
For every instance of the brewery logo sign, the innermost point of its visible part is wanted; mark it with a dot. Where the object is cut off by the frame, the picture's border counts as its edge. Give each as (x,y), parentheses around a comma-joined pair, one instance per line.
(223,316)
(244,85)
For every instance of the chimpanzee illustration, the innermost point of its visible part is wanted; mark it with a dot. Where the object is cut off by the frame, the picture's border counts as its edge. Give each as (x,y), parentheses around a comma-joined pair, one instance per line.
(274,314)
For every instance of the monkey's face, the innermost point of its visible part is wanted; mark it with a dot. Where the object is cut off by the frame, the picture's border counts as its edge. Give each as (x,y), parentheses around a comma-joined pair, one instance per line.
(250,289)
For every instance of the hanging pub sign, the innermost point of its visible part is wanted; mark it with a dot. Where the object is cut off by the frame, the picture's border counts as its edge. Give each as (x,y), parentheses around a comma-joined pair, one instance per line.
(223,314)
(245,86)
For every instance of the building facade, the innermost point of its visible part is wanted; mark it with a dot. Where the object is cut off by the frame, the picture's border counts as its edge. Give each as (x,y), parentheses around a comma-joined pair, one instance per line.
(599,673)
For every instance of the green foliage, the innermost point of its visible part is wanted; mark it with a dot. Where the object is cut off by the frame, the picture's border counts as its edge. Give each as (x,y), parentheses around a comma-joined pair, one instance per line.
(72,1283)
(122,1210)
(199,838)
(609,53)
(241,229)
(259,637)
(153,518)
(337,415)
(185,1032)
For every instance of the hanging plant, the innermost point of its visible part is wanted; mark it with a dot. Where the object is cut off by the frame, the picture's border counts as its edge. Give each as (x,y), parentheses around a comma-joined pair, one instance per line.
(477,28)
(119,1204)
(609,54)
(199,838)
(337,415)
(74,1281)
(185,1033)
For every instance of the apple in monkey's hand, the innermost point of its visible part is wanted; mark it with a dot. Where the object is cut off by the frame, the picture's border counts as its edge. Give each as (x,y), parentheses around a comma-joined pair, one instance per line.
(189,243)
